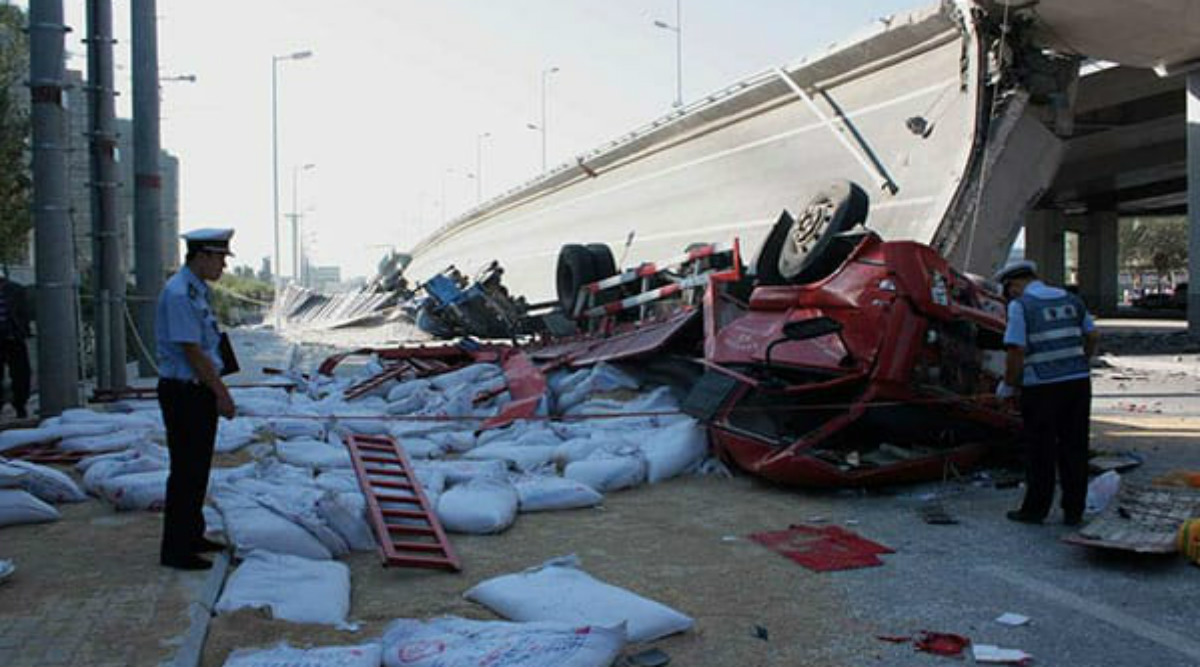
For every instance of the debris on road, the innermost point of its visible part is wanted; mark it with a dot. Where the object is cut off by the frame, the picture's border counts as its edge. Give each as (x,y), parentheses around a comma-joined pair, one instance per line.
(941,643)
(1013,619)
(994,654)
(823,549)
(1141,519)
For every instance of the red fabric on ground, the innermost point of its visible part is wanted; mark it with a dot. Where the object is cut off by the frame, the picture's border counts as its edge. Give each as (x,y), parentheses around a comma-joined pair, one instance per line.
(941,643)
(824,548)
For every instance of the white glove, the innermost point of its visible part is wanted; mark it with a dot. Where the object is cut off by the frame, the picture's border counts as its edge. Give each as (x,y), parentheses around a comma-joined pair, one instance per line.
(1003,390)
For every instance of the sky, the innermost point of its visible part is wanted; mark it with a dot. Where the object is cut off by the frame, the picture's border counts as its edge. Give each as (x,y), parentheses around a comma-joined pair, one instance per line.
(392,104)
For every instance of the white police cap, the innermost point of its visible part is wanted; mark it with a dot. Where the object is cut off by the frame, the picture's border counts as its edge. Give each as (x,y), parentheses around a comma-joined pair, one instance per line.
(1019,269)
(209,240)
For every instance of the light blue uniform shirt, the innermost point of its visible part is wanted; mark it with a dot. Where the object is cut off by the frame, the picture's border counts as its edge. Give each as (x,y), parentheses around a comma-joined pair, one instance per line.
(184,316)
(1016,332)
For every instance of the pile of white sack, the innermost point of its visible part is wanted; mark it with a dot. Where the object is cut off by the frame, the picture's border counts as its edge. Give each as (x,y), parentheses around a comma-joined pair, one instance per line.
(297,505)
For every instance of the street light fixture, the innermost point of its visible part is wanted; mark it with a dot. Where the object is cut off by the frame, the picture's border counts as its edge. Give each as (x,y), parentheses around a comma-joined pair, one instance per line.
(479,165)
(296,215)
(542,126)
(678,30)
(275,60)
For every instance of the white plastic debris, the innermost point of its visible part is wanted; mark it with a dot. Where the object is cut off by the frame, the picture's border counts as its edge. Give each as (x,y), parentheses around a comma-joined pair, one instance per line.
(995,654)
(559,591)
(17,507)
(458,642)
(292,588)
(361,655)
(1009,618)
(541,493)
(1102,490)
(481,506)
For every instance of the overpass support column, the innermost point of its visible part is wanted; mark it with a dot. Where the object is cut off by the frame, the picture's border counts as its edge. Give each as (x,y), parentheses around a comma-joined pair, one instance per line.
(1044,244)
(1098,262)
(1193,200)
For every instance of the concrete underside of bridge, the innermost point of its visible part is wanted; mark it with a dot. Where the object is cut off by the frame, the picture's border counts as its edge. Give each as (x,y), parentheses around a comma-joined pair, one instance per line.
(1132,150)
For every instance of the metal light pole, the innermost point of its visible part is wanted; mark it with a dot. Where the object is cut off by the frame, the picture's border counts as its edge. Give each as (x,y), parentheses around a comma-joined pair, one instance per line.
(479,165)
(275,60)
(57,343)
(678,30)
(542,127)
(296,171)
(108,265)
(147,180)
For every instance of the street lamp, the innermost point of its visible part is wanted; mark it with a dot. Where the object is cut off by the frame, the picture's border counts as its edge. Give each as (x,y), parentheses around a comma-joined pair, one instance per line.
(296,253)
(275,60)
(479,165)
(678,30)
(542,127)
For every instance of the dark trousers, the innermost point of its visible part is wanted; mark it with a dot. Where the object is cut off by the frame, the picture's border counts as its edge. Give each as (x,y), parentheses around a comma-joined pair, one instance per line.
(1057,418)
(190,414)
(15,358)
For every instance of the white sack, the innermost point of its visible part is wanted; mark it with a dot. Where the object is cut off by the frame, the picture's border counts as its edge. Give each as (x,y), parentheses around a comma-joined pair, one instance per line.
(347,514)
(107,442)
(291,588)
(602,378)
(453,441)
(1102,490)
(233,434)
(250,527)
(48,484)
(20,437)
(609,469)
(421,448)
(481,506)
(10,475)
(473,374)
(288,428)
(540,493)
(136,491)
(362,655)
(521,457)
(458,642)
(405,390)
(673,450)
(17,506)
(559,591)
(460,471)
(314,454)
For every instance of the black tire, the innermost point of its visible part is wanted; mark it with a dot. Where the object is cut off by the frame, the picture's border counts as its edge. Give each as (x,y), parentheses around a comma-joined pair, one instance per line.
(603,261)
(576,268)
(766,262)
(807,252)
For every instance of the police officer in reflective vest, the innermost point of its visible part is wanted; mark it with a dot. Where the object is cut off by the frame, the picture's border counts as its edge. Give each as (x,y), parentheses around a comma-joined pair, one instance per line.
(1049,340)
(191,394)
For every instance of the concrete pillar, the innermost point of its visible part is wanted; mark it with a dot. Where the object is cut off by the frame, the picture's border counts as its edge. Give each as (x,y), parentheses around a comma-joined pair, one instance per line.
(1044,244)
(1193,171)
(1098,262)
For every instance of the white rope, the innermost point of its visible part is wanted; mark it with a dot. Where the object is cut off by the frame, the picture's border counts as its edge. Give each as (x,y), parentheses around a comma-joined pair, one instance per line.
(138,339)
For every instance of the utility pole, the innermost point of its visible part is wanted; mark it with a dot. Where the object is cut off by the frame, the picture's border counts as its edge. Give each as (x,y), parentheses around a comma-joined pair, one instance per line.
(147,192)
(58,344)
(108,269)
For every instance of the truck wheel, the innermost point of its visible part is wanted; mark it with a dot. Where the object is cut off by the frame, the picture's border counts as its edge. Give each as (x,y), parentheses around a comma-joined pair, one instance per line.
(602,260)
(805,255)
(576,268)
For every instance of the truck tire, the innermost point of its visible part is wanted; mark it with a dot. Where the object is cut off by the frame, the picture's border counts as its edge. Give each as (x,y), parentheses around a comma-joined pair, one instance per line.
(810,250)
(576,268)
(602,260)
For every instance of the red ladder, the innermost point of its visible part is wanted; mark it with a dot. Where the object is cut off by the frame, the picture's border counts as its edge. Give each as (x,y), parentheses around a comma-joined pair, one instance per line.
(407,528)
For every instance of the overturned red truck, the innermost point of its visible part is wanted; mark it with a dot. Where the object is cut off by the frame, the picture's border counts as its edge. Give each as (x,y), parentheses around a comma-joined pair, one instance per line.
(835,359)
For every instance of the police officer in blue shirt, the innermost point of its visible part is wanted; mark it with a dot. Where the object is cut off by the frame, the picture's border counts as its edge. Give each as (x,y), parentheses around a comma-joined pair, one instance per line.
(1049,340)
(191,394)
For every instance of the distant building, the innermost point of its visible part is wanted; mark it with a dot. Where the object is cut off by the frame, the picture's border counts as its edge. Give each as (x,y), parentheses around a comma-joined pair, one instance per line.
(324,278)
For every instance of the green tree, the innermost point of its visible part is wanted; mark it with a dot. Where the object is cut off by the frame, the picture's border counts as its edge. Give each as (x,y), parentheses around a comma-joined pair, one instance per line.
(1153,243)
(15,182)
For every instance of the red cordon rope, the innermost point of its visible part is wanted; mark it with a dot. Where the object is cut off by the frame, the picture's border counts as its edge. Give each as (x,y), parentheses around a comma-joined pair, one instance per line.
(646,413)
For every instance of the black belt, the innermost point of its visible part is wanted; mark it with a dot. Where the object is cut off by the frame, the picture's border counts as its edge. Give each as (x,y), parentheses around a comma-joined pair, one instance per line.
(182,383)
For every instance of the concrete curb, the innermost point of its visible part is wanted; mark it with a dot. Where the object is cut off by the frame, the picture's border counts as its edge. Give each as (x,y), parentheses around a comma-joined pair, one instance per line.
(201,611)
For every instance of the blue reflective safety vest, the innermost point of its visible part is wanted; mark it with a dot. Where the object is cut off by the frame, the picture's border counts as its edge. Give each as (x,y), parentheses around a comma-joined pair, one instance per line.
(1054,336)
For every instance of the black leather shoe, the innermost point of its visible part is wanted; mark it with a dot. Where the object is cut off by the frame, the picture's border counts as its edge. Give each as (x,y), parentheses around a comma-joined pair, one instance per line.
(1021,517)
(188,562)
(204,545)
